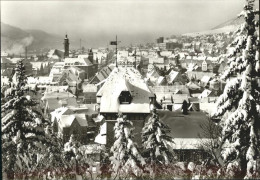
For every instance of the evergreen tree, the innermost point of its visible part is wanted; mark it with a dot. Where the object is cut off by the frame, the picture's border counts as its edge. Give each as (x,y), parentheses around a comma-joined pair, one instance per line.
(240,139)
(23,136)
(53,160)
(157,145)
(75,157)
(126,160)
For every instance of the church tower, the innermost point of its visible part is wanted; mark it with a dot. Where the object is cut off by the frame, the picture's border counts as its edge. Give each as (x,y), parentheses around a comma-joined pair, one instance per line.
(66,46)
(91,56)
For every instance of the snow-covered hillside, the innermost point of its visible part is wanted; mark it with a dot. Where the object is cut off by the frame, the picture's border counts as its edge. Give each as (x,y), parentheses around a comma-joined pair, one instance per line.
(225,29)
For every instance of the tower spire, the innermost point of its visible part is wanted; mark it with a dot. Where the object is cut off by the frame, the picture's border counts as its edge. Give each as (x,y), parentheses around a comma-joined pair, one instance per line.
(66,46)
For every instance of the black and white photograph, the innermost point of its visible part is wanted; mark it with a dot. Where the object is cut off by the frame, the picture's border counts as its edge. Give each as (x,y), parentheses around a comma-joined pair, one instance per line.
(130,89)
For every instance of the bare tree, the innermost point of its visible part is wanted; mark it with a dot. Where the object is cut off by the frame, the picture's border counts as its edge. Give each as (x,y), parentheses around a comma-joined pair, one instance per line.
(210,140)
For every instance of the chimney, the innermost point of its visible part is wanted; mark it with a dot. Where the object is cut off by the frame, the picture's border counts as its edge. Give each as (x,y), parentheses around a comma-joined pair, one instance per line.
(25,52)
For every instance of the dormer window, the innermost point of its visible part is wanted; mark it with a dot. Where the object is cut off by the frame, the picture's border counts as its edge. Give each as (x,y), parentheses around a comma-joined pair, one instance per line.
(125,97)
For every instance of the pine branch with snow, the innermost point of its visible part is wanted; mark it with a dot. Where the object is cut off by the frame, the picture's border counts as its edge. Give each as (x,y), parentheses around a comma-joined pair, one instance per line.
(157,144)
(241,97)
(23,135)
(126,160)
(76,157)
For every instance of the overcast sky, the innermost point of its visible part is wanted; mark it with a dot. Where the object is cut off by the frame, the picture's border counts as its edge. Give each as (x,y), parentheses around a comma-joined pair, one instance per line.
(133,18)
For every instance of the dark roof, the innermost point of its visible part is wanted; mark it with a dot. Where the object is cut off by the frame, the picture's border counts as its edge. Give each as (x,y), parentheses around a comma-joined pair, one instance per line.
(183,126)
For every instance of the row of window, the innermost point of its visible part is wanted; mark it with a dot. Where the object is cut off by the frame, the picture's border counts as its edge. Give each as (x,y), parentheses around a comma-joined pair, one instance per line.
(128,116)
(191,155)
(76,63)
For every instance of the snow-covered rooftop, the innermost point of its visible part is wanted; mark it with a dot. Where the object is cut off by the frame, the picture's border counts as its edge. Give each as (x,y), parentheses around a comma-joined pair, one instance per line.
(77,61)
(65,117)
(193,86)
(39,80)
(125,79)
(188,143)
(172,75)
(101,137)
(205,93)
(59,95)
(205,79)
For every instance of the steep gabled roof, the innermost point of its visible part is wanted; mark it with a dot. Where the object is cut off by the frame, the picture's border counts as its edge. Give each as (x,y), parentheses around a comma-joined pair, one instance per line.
(205,93)
(172,76)
(125,79)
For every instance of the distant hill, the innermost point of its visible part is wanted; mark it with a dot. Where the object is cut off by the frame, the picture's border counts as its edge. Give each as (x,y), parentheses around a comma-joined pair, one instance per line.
(14,40)
(228,26)
(232,22)
(12,32)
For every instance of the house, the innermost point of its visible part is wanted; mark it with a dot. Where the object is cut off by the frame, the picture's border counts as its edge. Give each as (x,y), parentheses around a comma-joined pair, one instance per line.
(156,60)
(54,100)
(185,131)
(93,153)
(56,70)
(144,62)
(66,122)
(55,54)
(167,101)
(222,67)
(153,75)
(40,68)
(125,91)
(194,104)
(101,57)
(102,74)
(204,66)
(205,81)
(101,137)
(209,96)
(89,91)
(161,81)
(73,77)
(214,84)
(83,63)
(57,89)
(198,75)
(175,77)
(122,54)
(165,53)
(41,82)
(178,100)
(194,87)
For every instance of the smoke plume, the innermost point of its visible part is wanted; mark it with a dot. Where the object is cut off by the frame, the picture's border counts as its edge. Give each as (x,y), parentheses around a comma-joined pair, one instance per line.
(18,47)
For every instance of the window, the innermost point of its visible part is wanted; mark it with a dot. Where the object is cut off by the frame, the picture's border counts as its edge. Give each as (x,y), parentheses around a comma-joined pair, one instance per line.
(125,97)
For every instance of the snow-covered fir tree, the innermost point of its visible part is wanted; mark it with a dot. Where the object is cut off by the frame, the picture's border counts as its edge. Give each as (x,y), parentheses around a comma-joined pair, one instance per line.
(23,135)
(126,160)
(52,161)
(157,145)
(75,157)
(241,99)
